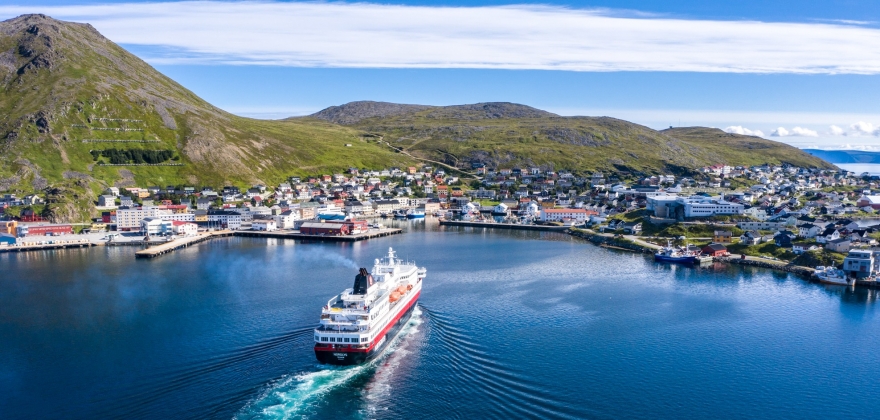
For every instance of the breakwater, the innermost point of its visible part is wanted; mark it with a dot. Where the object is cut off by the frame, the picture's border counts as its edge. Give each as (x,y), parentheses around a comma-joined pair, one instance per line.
(375,233)
(610,241)
(789,268)
(504,226)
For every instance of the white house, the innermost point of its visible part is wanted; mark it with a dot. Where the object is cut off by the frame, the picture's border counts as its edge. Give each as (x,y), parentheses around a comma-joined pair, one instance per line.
(830,234)
(156,226)
(558,215)
(264,225)
(185,228)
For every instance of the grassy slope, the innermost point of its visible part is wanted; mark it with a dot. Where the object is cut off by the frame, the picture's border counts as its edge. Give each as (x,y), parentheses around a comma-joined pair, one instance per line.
(60,74)
(579,143)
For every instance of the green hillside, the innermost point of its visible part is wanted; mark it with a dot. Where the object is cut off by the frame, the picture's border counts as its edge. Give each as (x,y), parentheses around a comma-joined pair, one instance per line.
(504,134)
(67,90)
(68,96)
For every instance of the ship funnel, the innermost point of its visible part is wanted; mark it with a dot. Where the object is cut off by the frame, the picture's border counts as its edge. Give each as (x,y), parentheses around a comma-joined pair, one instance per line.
(362,282)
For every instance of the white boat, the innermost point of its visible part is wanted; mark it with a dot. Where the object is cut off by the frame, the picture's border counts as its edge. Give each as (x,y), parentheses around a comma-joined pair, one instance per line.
(831,275)
(359,323)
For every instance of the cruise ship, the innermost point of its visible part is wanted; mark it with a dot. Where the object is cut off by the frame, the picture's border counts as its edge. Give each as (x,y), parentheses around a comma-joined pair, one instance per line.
(359,323)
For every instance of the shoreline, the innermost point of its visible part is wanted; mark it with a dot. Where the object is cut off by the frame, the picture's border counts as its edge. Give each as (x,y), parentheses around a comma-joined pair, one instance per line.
(608,241)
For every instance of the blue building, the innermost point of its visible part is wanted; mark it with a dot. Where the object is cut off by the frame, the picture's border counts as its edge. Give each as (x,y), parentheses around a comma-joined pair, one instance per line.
(7,239)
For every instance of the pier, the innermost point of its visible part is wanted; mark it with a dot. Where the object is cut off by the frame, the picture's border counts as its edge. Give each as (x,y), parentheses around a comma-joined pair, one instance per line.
(510,226)
(80,243)
(164,248)
(373,233)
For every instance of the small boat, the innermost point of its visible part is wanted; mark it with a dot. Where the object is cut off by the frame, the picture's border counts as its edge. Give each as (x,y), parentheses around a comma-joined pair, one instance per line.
(399,214)
(415,214)
(331,214)
(831,275)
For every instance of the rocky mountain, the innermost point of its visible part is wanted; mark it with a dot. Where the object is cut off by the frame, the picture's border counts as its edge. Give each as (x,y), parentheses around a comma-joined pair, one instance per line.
(66,91)
(505,134)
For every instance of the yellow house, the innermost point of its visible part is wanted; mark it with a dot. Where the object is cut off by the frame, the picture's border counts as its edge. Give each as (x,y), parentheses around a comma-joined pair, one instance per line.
(722,237)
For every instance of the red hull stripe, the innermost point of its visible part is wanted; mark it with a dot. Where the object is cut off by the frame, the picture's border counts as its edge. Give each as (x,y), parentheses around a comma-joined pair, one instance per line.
(378,337)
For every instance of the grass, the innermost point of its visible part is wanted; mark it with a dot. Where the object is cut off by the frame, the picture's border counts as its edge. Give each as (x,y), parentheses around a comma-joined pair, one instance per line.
(582,144)
(767,249)
(819,257)
(216,148)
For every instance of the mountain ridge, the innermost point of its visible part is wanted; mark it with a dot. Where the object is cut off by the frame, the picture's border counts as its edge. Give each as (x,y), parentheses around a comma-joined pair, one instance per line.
(68,95)
(499,133)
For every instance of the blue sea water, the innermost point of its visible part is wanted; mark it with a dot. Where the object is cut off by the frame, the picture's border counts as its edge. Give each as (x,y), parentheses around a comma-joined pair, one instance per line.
(510,325)
(860,168)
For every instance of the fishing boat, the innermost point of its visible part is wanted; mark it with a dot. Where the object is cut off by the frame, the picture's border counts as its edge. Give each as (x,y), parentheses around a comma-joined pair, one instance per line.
(673,254)
(358,324)
(832,275)
(415,214)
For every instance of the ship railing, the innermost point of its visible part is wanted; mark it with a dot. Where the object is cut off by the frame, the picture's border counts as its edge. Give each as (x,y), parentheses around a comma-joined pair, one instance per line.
(325,329)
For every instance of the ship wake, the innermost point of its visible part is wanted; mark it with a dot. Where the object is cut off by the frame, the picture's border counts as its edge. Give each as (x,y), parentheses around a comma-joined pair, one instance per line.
(302,395)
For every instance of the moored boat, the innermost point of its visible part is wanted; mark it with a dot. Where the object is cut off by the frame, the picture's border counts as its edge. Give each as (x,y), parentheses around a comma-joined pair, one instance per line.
(415,214)
(832,275)
(358,324)
(672,254)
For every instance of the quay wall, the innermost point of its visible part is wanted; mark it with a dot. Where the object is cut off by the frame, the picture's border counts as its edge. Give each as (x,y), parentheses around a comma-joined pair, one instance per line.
(789,268)
(610,241)
(504,226)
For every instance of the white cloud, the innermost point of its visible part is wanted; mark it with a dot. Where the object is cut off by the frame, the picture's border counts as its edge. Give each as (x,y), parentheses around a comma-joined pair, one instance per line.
(836,131)
(862,127)
(780,132)
(504,37)
(803,132)
(795,132)
(738,129)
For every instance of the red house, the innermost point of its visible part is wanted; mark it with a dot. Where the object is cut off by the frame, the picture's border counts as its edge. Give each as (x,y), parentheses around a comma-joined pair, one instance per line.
(50,230)
(715,250)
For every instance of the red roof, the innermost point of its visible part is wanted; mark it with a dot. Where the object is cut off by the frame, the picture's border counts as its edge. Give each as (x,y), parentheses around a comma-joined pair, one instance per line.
(565,211)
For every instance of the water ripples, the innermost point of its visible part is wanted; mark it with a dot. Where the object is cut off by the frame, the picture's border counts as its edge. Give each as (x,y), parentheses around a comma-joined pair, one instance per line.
(471,366)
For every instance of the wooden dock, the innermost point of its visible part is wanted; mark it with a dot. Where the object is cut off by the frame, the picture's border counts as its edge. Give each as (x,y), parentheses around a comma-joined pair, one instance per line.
(81,243)
(510,226)
(373,233)
(164,248)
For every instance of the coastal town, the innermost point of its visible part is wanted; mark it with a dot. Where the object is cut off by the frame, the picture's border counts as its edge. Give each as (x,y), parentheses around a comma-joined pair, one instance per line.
(780,213)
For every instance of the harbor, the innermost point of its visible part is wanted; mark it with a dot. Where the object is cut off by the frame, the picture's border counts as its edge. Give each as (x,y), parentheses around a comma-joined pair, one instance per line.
(216,309)
(363,236)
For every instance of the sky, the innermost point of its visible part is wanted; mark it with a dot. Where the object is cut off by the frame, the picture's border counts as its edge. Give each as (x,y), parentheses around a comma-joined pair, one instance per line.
(802,72)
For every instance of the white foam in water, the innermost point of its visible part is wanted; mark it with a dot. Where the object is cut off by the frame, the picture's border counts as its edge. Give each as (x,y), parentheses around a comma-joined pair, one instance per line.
(293,395)
(379,387)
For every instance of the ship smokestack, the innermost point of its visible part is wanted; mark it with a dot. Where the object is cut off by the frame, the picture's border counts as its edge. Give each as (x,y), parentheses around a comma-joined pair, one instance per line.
(362,282)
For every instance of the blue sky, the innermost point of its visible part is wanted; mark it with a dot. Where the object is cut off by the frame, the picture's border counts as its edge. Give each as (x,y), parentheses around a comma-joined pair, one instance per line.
(802,72)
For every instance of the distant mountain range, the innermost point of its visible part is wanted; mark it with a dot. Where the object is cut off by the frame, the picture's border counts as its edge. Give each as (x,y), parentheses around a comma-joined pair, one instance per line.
(845,156)
(77,112)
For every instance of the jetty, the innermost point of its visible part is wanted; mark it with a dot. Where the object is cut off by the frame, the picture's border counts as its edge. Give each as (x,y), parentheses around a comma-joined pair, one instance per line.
(46,245)
(164,248)
(372,233)
(511,226)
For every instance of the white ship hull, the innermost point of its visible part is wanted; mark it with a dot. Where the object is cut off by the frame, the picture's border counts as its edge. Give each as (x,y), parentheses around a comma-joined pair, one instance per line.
(360,323)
